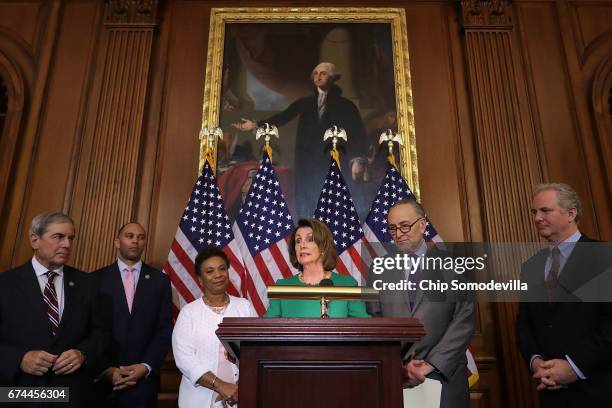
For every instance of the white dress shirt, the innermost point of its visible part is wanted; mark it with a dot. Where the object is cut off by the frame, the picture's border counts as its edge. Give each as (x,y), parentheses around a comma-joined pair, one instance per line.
(58,282)
(123,267)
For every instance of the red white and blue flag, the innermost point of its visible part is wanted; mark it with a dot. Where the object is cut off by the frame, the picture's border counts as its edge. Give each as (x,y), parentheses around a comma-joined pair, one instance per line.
(336,209)
(392,189)
(262,229)
(204,223)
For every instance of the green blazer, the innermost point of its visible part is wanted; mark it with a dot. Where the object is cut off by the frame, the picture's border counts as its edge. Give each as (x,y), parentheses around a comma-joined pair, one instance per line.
(312,308)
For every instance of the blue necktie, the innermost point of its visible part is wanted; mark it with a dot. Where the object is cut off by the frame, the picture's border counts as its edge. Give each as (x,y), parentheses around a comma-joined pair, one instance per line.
(416,278)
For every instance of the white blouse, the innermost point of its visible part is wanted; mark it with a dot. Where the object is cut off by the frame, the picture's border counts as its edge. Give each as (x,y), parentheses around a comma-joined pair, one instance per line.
(196,347)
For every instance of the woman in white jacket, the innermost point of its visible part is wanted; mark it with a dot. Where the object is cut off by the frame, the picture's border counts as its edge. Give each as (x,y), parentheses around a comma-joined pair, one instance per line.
(209,377)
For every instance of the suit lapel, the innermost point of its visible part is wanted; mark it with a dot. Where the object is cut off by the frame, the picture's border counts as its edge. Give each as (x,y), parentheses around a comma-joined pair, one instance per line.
(574,274)
(400,277)
(142,288)
(115,281)
(29,286)
(70,301)
(423,275)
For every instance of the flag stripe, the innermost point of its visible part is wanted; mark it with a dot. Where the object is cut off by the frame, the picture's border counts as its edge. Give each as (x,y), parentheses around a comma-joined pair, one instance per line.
(186,263)
(178,284)
(281,262)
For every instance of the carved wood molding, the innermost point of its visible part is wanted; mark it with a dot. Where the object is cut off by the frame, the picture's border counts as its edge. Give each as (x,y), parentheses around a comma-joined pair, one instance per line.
(486,14)
(108,179)
(507,165)
(131,12)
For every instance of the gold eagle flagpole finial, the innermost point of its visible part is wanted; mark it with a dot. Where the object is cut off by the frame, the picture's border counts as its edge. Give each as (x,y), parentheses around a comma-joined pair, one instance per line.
(210,135)
(390,137)
(267,130)
(335,133)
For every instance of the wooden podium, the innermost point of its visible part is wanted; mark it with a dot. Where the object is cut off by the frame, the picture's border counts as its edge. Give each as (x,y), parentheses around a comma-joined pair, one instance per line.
(322,363)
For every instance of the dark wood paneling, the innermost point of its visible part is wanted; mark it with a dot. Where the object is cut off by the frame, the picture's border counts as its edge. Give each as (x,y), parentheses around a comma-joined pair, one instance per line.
(177,164)
(557,48)
(64,101)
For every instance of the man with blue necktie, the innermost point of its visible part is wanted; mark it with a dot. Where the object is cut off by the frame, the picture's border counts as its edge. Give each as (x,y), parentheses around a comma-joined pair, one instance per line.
(447,318)
(566,342)
(141,322)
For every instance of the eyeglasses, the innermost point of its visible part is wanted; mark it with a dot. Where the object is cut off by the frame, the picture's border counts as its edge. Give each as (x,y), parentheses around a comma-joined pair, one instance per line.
(404,229)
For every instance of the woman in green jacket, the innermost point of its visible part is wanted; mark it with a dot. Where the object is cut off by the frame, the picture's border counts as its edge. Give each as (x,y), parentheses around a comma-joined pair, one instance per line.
(313,252)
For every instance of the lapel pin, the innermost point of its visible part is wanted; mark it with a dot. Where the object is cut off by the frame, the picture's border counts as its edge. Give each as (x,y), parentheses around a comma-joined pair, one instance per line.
(71,283)
(147,276)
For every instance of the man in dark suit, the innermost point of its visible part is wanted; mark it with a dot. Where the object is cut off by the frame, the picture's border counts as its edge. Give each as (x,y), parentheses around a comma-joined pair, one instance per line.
(316,113)
(448,319)
(566,342)
(141,321)
(50,331)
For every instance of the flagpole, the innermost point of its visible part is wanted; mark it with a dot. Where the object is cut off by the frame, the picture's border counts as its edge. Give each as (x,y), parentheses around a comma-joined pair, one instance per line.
(335,133)
(267,130)
(390,137)
(209,135)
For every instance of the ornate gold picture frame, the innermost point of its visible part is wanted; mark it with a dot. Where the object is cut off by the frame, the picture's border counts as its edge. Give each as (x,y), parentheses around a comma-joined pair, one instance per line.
(248,49)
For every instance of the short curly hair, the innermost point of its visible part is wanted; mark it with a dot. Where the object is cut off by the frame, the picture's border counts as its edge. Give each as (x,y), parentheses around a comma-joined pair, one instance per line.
(207,253)
(324,239)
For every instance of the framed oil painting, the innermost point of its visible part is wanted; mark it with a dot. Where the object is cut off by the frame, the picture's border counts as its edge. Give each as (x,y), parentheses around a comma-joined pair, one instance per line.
(305,70)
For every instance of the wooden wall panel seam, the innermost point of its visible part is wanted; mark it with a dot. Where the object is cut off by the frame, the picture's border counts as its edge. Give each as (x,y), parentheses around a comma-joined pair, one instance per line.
(458,143)
(30,139)
(525,56)
(573,96)
(153,144)
(84,106)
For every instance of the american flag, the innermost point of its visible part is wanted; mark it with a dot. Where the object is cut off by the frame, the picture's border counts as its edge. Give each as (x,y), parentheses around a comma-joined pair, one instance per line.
(392,189)
(204,223)
(261,231)
(336,209)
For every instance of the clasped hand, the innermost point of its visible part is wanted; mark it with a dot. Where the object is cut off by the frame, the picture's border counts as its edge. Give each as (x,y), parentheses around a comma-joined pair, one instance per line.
(415,372)
(39,362)
(126,376)
(553,374)
(228,392)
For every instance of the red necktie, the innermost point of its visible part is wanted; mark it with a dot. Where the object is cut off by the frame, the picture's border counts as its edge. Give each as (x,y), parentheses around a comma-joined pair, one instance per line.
(50,297)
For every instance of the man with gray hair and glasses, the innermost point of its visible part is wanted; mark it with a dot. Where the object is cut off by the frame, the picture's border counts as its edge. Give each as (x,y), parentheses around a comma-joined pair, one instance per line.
(565,338)
(448,318)
(50,330)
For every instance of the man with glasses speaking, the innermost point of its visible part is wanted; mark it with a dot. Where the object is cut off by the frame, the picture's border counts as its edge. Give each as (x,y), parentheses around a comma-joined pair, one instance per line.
(448,320)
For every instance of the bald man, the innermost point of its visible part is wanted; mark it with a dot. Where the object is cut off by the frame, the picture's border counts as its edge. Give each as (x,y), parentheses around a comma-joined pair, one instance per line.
(141,323)
(316,113)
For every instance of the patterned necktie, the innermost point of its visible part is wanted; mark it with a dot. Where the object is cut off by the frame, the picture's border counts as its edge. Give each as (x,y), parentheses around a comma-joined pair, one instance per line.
(321,104)
(128,285)
(553,275)
(552,280)
(416,278)
(50,297)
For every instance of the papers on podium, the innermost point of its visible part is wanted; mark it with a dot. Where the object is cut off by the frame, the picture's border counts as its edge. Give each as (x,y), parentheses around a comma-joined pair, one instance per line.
(426,395)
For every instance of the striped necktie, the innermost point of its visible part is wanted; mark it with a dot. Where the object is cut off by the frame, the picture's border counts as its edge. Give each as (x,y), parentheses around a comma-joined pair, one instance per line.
(50,297)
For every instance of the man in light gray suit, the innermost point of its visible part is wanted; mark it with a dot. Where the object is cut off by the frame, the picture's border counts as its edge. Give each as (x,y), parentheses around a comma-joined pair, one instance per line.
(448,318)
